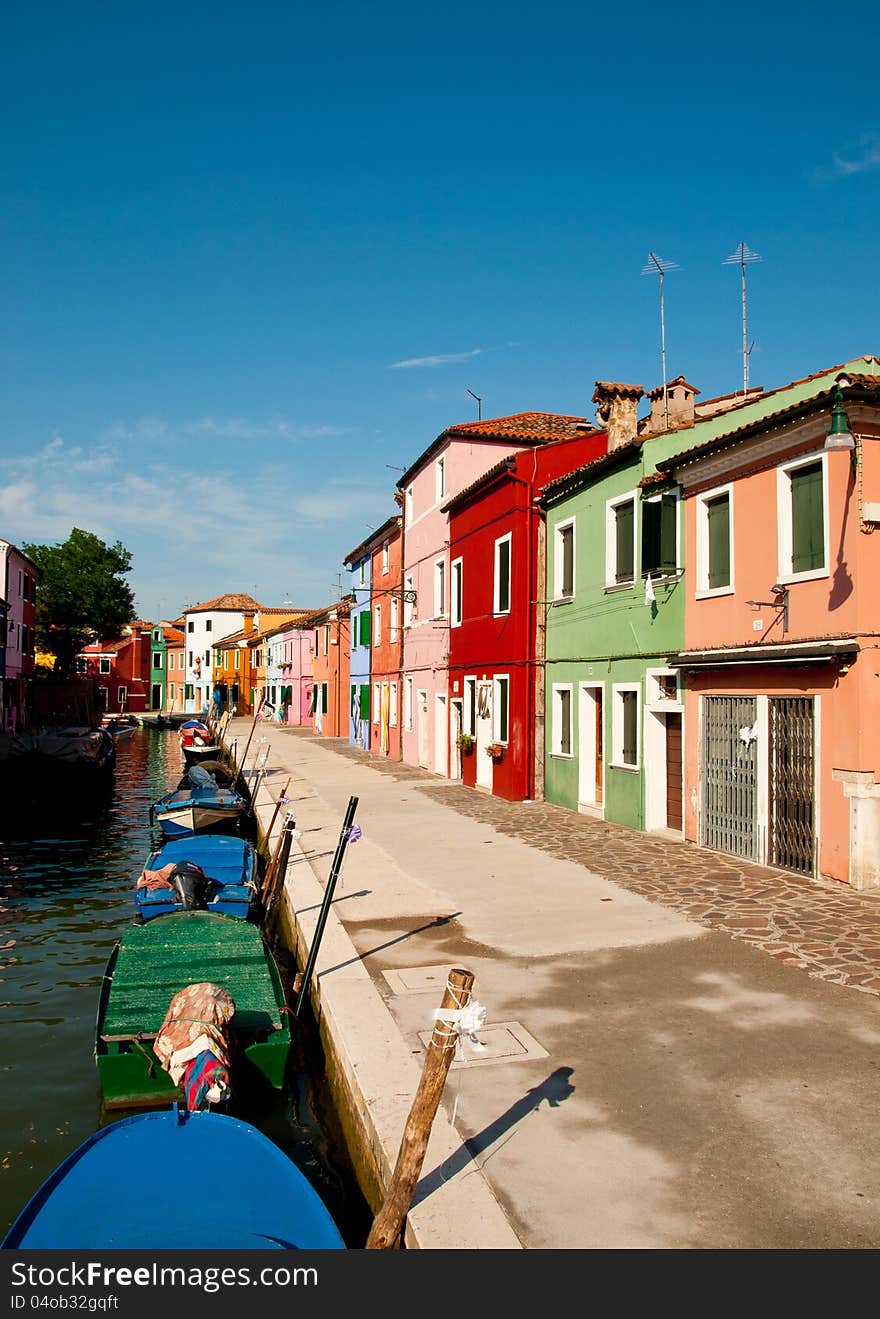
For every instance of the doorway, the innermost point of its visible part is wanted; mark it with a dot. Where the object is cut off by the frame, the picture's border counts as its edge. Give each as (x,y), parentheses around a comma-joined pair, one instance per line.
(156,697)
(422,716)
(484,735)
(441,737)
(456,724)
(591,773)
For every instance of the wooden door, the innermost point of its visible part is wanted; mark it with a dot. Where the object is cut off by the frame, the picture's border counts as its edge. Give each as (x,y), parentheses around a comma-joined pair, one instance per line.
(673,772)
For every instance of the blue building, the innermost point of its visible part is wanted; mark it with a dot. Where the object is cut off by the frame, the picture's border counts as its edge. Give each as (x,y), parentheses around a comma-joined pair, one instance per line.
(357,564)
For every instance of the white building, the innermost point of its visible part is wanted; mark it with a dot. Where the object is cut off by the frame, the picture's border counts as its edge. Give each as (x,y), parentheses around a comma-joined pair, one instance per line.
(204,625)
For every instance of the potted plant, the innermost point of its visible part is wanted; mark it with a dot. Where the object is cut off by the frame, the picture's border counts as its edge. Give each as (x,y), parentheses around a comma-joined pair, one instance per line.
(465,742)
(495,750)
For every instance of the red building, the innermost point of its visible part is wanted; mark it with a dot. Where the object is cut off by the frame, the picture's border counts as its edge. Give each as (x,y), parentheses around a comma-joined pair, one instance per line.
(497,611)
(386,569)
(121,669)
(330,668)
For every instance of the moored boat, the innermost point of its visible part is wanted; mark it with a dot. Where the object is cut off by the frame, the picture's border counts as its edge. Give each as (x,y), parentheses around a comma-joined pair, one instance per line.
(154,961)
(197,742)
(170,1158)
(198,803)
(120,726)
(231,865)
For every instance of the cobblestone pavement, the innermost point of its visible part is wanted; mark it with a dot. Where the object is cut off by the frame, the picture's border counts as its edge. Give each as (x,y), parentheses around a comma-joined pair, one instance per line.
(821,927)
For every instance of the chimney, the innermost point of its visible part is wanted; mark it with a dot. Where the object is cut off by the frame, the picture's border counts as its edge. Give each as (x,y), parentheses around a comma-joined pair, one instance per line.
(679,406)
(617,410)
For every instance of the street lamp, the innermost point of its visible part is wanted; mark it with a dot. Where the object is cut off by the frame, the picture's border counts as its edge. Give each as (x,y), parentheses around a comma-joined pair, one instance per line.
(840,438)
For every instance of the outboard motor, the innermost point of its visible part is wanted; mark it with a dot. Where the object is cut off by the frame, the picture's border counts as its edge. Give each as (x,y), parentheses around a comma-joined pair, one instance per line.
(192,885)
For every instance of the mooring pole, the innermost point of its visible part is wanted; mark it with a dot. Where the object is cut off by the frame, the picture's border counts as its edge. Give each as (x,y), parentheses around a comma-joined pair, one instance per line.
(268,837)
(251,734)
(280,873)
(325,905)
(388,1223)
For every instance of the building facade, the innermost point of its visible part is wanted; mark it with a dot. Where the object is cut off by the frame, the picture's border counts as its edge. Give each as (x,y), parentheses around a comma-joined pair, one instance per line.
(330,672)
(19,579)
(387,637)
(358,565)
(296,659)
(204,624)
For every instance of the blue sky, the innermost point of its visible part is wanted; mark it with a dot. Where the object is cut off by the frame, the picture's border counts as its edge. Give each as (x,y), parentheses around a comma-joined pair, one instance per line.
(251,260)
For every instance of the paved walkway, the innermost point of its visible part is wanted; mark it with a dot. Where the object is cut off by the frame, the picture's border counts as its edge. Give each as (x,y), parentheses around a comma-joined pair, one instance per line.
(821,927)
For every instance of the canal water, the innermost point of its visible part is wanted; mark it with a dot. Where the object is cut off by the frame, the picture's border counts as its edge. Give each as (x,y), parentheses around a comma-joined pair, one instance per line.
(66,896)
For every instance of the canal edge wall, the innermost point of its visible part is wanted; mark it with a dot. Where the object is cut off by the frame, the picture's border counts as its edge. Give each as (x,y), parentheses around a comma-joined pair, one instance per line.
(372,1072)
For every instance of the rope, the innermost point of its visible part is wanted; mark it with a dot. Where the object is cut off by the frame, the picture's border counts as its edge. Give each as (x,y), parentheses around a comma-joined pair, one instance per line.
(451,1025)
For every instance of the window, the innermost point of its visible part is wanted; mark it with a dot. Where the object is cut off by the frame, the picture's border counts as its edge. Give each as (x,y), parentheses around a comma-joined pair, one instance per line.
(408,704)
(440,478)
(209,623)
(392,706)
(802,490)
(157,635)
(563,561)
(501,709)
(456,604)
(188,692)
(660,535)
(562,734)
(715,542)
(502,575)
(377,701)
(208,658)
(326,638)
(121,696)
(620,541)
(82,665)
(362,571)
(190,659)
(377,624)
(470,706)
(365,627)
(364,699)
(395,619)
(236,663)
(385,556)
(191,626)
(407,602)
(157,659)
(104,664)
(171,690)
(439,588)
(324,688)
(315,651)
(625,726)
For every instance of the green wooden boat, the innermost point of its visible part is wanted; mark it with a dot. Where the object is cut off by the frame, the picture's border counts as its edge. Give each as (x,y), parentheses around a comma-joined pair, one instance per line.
(147,968)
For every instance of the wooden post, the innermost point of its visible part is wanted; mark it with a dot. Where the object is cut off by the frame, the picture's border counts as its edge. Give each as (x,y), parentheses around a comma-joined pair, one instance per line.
(388,1223)
(268,838)
(251,734)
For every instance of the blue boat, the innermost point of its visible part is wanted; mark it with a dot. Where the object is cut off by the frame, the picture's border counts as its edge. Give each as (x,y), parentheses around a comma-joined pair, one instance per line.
(201,801)
(180,1180)
(232,865)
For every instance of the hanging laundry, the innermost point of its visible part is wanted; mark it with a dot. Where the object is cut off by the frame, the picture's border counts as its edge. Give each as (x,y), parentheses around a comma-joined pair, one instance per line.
(650,597)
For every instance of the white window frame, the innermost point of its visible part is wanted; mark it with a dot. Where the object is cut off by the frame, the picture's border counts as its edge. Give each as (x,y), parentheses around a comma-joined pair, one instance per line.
(439,588)
(409,504)
(392,705)
(556,711)
(394,630)
(785,531)
(497,735)
(122,695)
(385,558)
(104,665)
(377,701)
(496,602)
(377,624)
(408,704)
(558,570)
(617,691)
(469,714)
(362,572)
(611,505)
(408,604)
(704,591)
(456,585)
(157,659)
(440,478)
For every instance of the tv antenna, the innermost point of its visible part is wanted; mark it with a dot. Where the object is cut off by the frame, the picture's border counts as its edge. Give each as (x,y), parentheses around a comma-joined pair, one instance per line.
(742,257)
(656,263)
(395,469)
(287,600)
(479,404)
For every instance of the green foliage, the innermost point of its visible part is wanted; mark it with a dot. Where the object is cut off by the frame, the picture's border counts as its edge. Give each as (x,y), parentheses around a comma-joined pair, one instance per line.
(82,596)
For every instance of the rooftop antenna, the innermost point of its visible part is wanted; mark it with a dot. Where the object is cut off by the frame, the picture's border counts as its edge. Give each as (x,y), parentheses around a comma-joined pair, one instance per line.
(479,404)
(395,469)
(656,263)
(742,257)
(287,600)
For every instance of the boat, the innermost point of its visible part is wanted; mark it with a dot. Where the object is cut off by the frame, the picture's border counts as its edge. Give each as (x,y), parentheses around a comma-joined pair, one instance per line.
(141,1184)
(230,864)
(120,726)
(70,757)
(198,803)
(155,960)
(197,742)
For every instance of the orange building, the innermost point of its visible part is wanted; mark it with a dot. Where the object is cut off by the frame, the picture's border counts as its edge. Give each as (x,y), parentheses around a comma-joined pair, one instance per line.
(330,668)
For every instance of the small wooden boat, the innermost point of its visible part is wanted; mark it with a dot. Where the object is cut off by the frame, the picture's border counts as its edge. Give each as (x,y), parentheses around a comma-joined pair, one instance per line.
(198,803)
(141,1184)
(231,864)
(120,726)
(197,742)
(154,961)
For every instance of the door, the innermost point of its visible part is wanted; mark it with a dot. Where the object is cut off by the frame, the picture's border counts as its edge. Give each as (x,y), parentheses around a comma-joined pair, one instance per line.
(441,735)
(729,775)
(484,735)
(422,718)
(673,772)
(456,724)
(792,784)
(156,698)
(590,747)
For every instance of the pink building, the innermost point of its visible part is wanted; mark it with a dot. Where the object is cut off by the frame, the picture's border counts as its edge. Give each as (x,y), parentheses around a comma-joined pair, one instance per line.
(18,587)
(457,458)
(297,653)
(782,620)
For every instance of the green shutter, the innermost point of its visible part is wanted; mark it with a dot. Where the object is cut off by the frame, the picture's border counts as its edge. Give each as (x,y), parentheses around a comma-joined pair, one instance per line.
(313,703)
(323,698)
(807,519)
(650,537)
(365,627)
(668,533)
(365,701)
(718,515)
(630,724)
(504,576)
(624,514)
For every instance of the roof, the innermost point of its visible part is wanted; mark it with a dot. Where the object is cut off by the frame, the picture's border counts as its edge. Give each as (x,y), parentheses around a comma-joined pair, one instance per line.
(276,620)
(507,464)
(174,635)
(613,458)
(807,650)
(521,428)
(234,602)
(391,524)
(605,387)
(317,616)
(21,554)
(657,392)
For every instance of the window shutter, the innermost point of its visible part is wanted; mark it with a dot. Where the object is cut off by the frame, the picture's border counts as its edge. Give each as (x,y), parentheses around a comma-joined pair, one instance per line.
(630,720)
(365,627)
(718,517)
(313,703)
(624,517)
(807,519)
(323,698)
(504,576)
(668,528)
(365,698)
(650,537)
(567,562)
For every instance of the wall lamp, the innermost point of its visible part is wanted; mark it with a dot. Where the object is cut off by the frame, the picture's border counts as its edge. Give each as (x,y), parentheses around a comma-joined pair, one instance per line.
(840,437)
(779,601)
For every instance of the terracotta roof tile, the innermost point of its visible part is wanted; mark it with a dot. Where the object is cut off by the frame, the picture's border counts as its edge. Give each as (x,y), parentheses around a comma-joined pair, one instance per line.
(234,602)
(519,428)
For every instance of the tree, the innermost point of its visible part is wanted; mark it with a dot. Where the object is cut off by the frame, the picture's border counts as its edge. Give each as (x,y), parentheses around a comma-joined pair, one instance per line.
(82,596)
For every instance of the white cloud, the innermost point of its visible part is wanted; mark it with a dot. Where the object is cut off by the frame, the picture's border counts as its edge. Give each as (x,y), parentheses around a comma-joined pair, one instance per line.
(438,359)
(858,160)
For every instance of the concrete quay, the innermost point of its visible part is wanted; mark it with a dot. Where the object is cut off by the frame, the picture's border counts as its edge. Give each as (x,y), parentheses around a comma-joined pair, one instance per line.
(681,1049)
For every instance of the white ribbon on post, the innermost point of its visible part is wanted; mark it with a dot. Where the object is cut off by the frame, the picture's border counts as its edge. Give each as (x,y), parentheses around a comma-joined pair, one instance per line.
(464,1022)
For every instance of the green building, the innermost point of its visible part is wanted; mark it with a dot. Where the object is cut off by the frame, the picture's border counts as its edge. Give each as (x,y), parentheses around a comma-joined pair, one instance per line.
(162,636)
